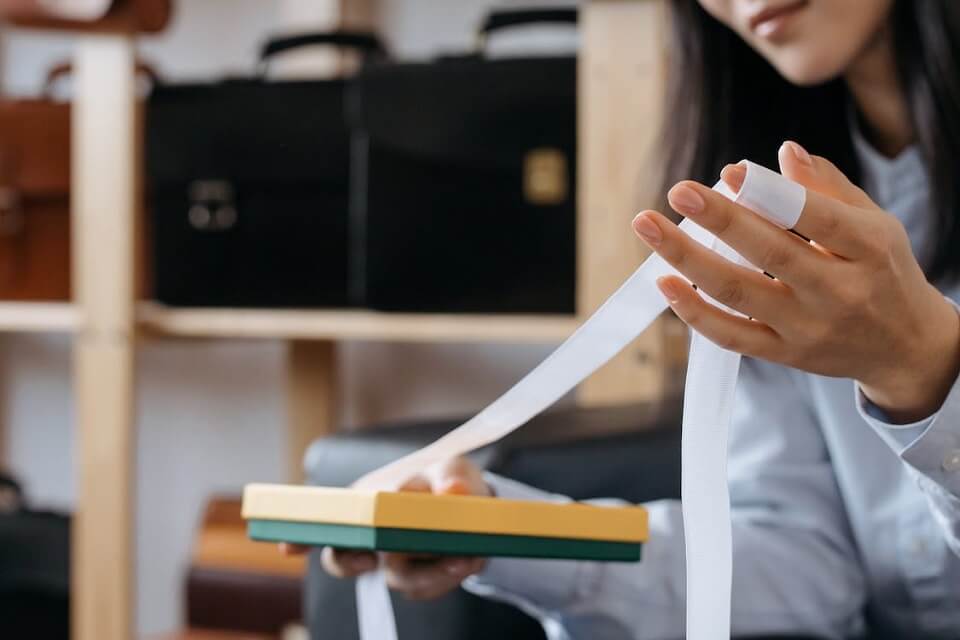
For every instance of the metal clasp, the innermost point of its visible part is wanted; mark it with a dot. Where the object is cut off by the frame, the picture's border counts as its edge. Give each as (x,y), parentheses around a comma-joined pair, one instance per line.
(212,205)
(11,212)
(545,181)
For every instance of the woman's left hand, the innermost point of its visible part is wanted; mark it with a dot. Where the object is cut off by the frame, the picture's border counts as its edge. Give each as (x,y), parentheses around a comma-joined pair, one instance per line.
(853,303)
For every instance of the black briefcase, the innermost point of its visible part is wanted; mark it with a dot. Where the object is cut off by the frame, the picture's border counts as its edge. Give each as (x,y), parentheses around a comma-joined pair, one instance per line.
(34,569)
(466,181)
(249,187)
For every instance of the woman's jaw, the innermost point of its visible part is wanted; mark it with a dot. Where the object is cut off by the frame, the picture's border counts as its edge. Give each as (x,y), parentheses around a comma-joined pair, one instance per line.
(808,41)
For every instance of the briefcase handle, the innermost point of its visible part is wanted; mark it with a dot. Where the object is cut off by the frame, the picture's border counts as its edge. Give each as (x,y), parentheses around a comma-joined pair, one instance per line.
(366,43)
(64,69)
(499,20)
(11,495)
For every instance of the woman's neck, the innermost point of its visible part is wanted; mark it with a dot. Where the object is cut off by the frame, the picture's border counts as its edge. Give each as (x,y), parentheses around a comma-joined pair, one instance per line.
(873,83)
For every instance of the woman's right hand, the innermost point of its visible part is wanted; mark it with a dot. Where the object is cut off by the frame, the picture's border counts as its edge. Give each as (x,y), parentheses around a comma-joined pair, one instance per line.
(418,576)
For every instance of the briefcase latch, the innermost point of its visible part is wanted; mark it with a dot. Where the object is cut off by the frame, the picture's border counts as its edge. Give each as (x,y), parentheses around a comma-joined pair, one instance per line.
(545,181)
(11,212)
(212,205)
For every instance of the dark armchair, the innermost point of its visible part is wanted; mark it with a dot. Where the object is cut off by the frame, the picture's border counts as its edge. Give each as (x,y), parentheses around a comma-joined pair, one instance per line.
(631,453)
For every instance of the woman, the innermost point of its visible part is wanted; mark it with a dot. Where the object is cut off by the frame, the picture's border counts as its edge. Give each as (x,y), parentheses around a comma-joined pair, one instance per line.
(845,450)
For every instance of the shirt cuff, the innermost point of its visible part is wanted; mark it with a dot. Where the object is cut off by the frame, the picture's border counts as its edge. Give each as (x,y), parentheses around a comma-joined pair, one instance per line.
(545,584)
(931,446)
(898,436)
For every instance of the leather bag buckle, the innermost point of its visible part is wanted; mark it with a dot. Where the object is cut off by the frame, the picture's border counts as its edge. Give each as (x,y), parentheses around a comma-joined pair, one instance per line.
(11,212)
(212,206)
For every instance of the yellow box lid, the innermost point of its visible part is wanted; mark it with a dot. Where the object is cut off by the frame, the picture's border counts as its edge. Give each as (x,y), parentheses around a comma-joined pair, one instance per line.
(468,514)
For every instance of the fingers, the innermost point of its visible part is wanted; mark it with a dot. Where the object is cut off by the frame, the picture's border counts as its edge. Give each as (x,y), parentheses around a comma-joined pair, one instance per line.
(422,577)
(291,550)
(740,288)
(458,476)
(837,214)
(833,224)
(762,243)
(419,577)
(417,484)
(820,175)
(343,563)
(426,578)
(724,329)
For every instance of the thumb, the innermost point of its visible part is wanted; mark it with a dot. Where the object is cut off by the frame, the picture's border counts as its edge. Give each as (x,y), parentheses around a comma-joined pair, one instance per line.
(458,476)
(820,175)
(416,484)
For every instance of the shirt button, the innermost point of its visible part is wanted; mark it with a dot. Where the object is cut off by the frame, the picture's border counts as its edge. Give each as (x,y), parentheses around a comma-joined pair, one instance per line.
(951,462)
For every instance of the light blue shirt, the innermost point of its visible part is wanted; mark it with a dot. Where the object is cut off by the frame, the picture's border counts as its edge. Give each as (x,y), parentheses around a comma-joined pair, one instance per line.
(840,519)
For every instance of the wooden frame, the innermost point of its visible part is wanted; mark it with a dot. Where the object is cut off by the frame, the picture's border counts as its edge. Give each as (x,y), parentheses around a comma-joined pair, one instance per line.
(622,83)
(104,187)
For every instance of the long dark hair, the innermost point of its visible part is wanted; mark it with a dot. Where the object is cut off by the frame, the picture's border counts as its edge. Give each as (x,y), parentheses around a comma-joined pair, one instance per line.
(715,115)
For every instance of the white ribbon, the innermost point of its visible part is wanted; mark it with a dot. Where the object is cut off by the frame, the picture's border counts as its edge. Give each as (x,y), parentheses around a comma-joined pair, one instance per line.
(708,400)
(374,609)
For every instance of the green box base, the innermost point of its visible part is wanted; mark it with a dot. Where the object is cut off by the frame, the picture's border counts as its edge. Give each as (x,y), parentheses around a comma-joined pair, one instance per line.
(439,542)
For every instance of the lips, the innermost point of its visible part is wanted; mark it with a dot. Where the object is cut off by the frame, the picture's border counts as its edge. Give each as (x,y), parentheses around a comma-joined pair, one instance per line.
(771,18)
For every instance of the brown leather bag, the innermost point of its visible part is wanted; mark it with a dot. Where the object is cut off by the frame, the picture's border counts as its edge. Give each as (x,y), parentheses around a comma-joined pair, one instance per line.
(236,584)
(145,16)
(34,199)
(35,194)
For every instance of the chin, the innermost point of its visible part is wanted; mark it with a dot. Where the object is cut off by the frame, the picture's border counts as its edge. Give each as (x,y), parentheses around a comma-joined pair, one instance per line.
(805,70)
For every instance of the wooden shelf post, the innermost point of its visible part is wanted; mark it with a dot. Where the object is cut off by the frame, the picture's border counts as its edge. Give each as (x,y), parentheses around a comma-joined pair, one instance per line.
(312,399)
(103,186)
(621,97)
(312,372)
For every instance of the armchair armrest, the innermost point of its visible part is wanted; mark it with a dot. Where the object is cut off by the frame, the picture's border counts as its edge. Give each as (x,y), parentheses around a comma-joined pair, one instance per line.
(630,452)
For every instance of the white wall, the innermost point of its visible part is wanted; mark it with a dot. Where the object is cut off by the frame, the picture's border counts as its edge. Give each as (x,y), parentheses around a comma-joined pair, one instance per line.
(210,413)
(423,28)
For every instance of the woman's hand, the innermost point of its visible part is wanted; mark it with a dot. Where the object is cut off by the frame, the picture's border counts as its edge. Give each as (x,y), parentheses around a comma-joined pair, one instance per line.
(852,303)
(419,577)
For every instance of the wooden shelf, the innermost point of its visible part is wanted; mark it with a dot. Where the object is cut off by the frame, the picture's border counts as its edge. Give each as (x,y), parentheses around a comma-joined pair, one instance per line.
(352,325)
(37,317)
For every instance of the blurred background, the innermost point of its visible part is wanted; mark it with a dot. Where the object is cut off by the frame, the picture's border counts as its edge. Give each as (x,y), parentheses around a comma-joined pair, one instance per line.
(209,412)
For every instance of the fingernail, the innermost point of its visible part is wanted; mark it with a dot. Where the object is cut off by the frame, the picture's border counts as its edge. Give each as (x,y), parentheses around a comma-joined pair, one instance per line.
(453,487)
(799,153)
(734,175)
(456,568)
(648,230)
(669,290)
(686,200)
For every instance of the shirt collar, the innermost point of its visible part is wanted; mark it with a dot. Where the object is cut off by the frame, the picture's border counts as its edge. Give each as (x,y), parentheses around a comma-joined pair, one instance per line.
(889,179)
